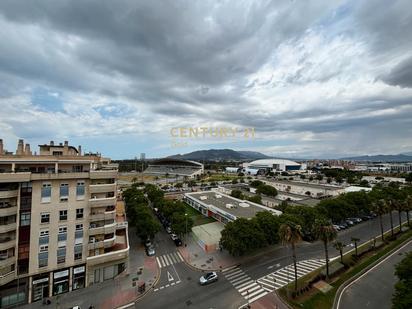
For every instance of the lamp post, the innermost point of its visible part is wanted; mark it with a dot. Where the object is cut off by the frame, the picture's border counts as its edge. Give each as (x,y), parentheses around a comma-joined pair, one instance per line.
(186,229)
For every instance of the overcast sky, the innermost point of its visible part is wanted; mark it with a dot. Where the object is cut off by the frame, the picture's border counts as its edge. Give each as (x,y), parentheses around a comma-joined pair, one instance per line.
(313,78)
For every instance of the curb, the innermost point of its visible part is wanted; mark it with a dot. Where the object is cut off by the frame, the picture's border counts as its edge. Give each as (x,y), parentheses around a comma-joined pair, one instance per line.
(203,270)
(363,271)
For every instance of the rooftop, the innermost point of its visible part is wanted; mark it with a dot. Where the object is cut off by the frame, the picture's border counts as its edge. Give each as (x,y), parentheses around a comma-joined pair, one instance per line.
(305,184)
(235,207)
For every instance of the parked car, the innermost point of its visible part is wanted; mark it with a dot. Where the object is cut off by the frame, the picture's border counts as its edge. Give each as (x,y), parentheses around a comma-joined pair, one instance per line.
(150,251)
(178,242)
(349,222)
(336,227)
(173,236)
(208,278)
(355,220)
(169,230)
(343,225)
(148,243)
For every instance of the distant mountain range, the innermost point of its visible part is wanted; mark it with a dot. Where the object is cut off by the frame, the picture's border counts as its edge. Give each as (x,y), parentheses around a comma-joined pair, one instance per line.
(381,158)
(220,155)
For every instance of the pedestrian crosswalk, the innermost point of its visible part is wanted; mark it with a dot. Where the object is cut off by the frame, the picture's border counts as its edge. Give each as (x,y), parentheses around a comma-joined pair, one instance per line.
(247,287)
(283,276)
(169,259)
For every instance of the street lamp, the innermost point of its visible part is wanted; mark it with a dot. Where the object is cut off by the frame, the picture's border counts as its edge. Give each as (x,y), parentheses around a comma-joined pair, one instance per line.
(186,229)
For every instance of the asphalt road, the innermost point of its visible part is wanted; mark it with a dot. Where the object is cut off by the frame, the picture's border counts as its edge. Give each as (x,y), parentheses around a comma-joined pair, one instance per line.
(281,256)
(189,294)
(375,288)
(179,286)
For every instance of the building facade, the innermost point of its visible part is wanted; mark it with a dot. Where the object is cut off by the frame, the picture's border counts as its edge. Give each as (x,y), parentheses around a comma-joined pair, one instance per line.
(60,226)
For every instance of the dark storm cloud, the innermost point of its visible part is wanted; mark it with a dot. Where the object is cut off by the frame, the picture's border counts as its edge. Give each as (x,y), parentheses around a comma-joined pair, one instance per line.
(401,74)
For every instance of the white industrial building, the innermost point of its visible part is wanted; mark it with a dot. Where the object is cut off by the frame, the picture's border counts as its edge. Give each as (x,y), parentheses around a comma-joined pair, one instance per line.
(275,165)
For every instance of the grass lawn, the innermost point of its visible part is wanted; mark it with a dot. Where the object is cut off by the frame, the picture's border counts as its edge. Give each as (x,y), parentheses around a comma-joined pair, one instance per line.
(198,218)
(316,299)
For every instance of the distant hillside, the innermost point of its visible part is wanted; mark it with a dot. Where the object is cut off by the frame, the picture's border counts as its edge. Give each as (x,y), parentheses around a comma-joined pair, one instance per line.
(381,158)
(220,155)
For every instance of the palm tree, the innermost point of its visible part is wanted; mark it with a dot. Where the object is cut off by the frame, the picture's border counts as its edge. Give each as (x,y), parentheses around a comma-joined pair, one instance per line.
(390,209)
(408,207)
(355,240)
(398,205)
(380,208)
(326,233)
(338,245)
(291,234)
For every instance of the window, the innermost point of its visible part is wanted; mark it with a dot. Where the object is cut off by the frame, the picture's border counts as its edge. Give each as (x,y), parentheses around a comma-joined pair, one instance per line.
(62,236)
(26,187)
(78,250)
(44,237)
(79,213)
(46,193)
(64,192)
(61,255)
(43,259)
(44,248)
(63,215)
(25,218)
(79,227)
(80,190)
(45,217)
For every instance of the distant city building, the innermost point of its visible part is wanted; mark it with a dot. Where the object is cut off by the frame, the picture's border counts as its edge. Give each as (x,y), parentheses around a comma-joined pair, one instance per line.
(275,165)
(224,208)
(62,226)
(304,188)
(174,167)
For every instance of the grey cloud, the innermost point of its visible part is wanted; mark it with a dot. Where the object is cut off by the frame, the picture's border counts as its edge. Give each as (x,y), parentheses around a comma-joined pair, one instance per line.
(401,74)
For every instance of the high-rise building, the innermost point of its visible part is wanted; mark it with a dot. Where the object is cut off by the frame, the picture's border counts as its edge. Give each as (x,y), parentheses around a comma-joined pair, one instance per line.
(62,225)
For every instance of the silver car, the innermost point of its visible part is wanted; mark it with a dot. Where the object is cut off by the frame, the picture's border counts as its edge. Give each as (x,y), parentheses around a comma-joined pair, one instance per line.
(208,278)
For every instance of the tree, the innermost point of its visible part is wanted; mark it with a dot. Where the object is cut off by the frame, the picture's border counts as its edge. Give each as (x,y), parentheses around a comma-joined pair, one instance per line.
(380,208)
(402,298)
(326,233)
(408,207)
(364,183)
(339,246)
(269,224)
(329,180)
(291,234)
(355,240)
(255,199)
(255,183)
(390,209)
(266,190)
(181,223)
(242,236)
(146,225)
(319,177)
(399,207)
(237,194)
(408,177)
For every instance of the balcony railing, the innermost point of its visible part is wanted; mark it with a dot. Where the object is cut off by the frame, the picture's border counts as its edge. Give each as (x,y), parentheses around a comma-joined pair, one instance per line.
(8,211)
(9,193)
(107,243)
(15,177)
(6,278)
(102,202)
(7,244)
(7,261)
(61,175)
(8,227)
(105,229)
(103,174)
(103,188)
(107,215)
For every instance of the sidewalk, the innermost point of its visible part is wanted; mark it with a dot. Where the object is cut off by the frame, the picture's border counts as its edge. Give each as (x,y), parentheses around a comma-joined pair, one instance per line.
(115,292)
(269,301)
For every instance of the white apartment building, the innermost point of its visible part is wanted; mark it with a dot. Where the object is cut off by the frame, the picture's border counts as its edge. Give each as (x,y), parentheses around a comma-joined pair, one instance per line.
(60,227)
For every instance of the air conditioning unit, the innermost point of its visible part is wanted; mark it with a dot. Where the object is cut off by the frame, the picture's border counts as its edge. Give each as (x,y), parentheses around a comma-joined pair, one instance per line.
(92,240)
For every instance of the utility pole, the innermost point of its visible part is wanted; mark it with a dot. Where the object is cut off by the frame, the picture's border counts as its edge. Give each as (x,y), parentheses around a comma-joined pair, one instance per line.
(186,230)
(142,158)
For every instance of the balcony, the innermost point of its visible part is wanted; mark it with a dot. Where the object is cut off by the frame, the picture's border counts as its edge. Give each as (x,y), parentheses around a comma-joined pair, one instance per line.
(110,187)
(8,211)
(103,174)
(12,226)
(105,229)
(119,251)
(6,278)
(7,244)
(9,194)
(102,202)
(53,176)
(103,216)
(7,261)
(107,243)
(15,177)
